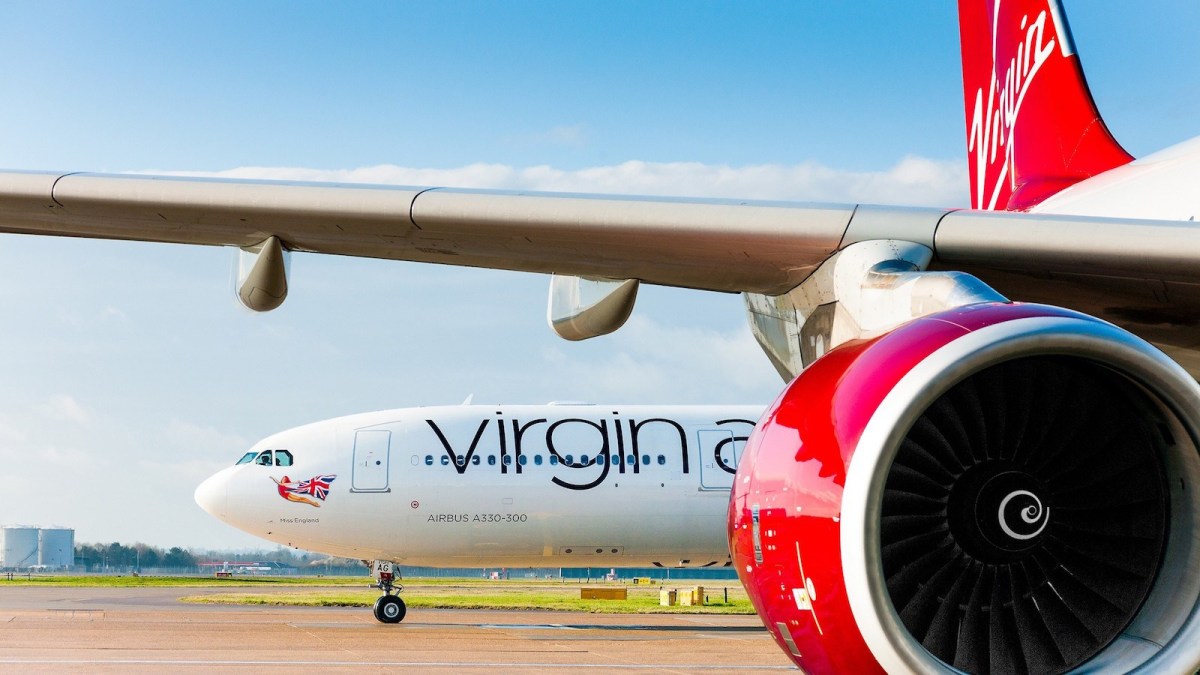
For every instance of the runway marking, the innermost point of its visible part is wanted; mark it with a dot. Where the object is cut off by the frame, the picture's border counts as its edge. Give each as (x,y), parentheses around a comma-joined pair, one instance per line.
(377,664)
(76,614)
(528,626)
(357,624)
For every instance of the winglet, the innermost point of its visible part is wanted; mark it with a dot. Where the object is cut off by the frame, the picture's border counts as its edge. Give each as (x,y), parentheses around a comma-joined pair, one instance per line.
(1032,127)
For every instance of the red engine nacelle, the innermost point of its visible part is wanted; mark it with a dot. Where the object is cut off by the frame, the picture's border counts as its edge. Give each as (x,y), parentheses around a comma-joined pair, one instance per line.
(997,488)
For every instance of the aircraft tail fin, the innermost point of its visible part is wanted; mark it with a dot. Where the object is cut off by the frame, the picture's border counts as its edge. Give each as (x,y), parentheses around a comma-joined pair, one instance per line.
(1032,126)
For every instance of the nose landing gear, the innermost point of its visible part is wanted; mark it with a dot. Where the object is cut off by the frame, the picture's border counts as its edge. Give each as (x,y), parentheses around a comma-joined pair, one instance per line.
(388,608)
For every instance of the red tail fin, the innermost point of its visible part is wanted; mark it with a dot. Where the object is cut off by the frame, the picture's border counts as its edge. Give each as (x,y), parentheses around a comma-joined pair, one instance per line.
(1032,127)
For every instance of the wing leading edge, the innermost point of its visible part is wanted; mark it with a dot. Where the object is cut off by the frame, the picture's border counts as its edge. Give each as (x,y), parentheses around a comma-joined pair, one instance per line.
(720,245)
(715,245)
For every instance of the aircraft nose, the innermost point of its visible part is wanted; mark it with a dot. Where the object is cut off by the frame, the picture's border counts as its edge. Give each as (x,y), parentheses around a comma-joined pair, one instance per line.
(213,494)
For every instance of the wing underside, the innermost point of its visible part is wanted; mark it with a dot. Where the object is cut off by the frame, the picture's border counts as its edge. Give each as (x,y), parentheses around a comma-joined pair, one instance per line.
(1131,271)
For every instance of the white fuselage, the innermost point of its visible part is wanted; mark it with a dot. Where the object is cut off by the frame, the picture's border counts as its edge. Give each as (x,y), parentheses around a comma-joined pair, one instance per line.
(1159,186)
(475,486)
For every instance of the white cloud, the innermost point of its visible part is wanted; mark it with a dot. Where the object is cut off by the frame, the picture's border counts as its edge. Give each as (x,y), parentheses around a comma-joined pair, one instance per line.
(912,180)
(567,136)
(186,471)
(187,439)
(64,408)
(574,135)
(10,434)
(650,358)
(66,457)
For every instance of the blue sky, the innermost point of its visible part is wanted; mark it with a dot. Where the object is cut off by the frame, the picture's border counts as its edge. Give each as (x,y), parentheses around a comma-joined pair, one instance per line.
(130,373)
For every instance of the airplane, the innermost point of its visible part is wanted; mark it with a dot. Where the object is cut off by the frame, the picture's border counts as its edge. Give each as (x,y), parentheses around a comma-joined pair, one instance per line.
(986,458)
(564,484)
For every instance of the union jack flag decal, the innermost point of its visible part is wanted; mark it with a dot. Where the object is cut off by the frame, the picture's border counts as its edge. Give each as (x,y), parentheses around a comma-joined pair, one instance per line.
(301,491)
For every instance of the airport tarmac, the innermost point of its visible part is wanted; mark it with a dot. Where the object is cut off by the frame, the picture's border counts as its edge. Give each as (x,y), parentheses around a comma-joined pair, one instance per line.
(148,629)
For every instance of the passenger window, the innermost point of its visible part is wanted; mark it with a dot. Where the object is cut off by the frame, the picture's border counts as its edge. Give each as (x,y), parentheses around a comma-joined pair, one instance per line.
(445,460)
(646,460)
(462,461)
(553,460)
(522,460)
(507,460)
(283,458)
(583,459)
(428,460)
(475,460)
(631,459)
(264,458)
(491,460)
(247,458)
(537,459)
(662,460)
(569,459)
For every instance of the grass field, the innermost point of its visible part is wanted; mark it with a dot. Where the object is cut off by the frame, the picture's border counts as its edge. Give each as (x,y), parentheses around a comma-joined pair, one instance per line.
(449,593)
(497,595)
(103,581)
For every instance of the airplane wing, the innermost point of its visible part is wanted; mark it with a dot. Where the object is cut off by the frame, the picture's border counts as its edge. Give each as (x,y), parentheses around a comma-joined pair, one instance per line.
(716,245)
(720,245)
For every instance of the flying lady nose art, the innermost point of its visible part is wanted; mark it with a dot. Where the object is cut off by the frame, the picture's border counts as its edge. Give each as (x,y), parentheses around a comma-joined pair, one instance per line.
(304,491)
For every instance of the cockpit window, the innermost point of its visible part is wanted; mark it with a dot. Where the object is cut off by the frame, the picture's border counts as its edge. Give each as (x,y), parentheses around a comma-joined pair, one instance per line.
(267,458)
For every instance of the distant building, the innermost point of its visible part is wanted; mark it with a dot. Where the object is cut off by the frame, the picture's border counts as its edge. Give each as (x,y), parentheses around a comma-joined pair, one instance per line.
(56,548)
(50,548)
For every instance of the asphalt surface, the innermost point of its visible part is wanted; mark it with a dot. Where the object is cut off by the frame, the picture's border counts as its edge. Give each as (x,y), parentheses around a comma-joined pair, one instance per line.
(149,630)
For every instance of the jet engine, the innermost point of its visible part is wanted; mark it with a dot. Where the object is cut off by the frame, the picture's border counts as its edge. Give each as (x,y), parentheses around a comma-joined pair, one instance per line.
(1003,488)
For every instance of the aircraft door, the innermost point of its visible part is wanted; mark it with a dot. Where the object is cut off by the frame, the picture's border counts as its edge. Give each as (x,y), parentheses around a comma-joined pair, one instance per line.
(371,452)
(719,456)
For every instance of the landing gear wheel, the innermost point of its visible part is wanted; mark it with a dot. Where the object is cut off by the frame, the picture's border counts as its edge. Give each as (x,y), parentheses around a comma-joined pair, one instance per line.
(390,609)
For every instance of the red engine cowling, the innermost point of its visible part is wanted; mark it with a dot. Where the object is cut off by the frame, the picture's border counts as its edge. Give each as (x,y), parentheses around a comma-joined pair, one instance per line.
(997,488)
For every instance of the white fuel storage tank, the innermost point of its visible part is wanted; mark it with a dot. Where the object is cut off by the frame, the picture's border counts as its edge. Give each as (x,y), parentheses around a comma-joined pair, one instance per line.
(56,547)
(18,546)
